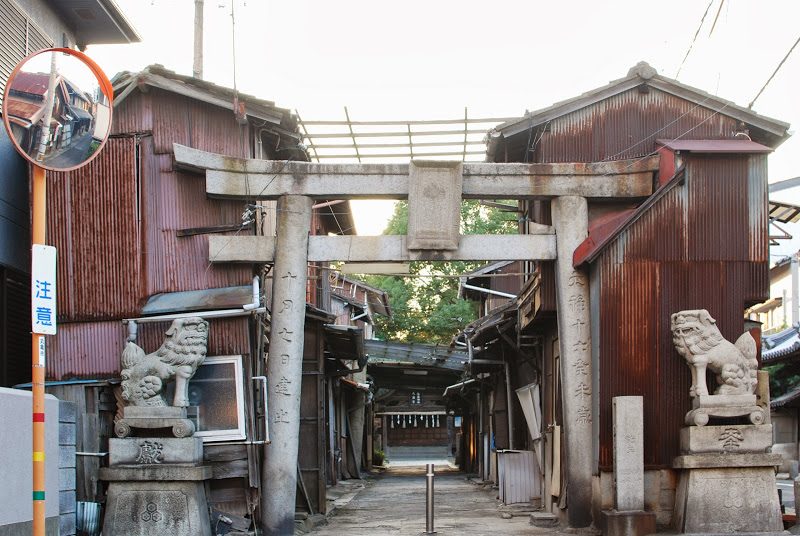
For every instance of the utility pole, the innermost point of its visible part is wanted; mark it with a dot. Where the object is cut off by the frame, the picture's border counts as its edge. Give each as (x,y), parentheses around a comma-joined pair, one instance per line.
(197,68)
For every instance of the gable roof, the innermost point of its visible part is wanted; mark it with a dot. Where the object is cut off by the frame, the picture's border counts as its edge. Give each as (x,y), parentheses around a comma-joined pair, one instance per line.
(241,104)
(641,74)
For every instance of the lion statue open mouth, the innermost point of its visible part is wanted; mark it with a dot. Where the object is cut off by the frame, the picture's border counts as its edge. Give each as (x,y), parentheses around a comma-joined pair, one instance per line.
(144,377)
(697,338)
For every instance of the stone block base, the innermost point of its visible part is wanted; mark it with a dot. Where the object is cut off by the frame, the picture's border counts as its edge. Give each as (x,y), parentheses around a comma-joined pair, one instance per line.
(156,508)
(161,450)
(731,438)
(632,523)
(728,500)
(544,520)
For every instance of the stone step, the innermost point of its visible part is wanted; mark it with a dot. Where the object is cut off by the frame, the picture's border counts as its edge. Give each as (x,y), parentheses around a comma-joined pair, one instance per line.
(544,519)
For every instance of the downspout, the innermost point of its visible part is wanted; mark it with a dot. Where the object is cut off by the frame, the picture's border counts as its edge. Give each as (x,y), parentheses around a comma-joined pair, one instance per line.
(256,303)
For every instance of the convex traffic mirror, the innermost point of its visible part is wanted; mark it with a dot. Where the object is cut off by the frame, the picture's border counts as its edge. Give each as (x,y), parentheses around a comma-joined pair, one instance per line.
(57,108)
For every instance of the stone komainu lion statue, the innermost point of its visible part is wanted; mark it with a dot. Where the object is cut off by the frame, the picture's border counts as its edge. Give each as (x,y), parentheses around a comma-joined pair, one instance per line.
(698,340)
(144,377)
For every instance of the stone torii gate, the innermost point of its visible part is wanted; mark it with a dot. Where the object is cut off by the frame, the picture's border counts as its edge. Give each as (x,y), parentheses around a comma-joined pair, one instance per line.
(434,191)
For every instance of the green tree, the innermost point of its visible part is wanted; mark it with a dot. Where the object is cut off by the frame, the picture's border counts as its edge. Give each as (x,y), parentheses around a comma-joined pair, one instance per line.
(427,308)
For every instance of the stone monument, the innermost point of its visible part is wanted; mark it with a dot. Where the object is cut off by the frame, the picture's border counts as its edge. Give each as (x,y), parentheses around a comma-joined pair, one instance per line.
(727,473)
(628,518)
(156,470)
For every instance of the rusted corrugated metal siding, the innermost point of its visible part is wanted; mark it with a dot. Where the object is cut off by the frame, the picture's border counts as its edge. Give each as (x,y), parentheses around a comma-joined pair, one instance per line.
(627,125)
(693,249)
(85,350)
(179,119)
(92,221)
(226,336)
(134,114)
(93,349)
(115,221)
(173,200)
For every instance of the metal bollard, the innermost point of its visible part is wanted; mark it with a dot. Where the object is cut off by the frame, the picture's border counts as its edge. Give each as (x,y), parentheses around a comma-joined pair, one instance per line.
(429,500)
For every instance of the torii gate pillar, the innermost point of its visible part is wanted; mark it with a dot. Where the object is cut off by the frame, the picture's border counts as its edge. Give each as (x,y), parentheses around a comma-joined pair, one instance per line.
(570,219)
(285,365)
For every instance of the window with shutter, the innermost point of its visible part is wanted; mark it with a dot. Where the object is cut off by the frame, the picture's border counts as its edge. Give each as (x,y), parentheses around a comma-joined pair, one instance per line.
(19,36)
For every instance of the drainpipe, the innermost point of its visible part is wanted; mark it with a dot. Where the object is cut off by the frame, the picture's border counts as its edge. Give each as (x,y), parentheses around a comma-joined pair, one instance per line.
(133,329)
(256,296)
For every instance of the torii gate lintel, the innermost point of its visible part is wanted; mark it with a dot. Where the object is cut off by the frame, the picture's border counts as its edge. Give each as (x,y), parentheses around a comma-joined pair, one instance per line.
(434,196)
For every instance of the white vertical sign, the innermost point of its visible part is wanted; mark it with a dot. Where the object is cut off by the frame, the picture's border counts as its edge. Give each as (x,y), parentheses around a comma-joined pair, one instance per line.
(43,289)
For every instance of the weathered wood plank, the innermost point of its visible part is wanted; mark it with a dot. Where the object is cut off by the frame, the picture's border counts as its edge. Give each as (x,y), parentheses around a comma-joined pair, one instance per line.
(228,177)
(261,249)
(232,469)
(224,453)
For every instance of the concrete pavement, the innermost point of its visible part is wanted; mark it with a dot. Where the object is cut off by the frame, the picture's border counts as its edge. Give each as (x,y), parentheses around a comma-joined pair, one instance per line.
(393,503)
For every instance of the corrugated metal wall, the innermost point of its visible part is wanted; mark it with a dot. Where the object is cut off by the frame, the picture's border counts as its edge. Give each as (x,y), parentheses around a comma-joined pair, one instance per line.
(173,200)
(85,350)
(134,114)
(93,349)
(178,119)
(698,247)
(703,245)
(627,125)
(114,223)
(92,220)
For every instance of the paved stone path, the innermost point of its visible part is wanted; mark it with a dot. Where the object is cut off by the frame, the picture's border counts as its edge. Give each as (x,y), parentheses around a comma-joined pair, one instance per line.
(394,504)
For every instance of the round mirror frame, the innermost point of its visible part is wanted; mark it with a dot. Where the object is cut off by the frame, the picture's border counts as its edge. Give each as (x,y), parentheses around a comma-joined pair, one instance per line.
(103,82)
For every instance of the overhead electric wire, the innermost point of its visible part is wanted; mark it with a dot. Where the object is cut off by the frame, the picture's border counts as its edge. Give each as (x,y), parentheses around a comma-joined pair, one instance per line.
(773,74)
(702,20)
(716,17)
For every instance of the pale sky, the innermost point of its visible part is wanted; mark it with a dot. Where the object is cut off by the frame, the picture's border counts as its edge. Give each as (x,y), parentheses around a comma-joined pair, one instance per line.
(430,59)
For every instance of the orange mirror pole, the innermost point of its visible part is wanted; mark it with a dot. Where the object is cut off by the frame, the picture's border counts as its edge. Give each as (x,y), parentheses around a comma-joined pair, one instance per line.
(38,236)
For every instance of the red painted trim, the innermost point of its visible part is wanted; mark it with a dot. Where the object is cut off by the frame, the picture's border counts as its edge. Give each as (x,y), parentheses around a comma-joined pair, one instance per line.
(666,166)
(38,417)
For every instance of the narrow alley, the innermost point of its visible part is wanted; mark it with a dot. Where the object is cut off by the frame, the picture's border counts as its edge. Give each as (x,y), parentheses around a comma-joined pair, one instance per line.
(393,503)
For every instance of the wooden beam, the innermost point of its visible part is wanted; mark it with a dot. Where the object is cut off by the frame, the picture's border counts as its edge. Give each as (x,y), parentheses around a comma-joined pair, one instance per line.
(261,249)
(238,178)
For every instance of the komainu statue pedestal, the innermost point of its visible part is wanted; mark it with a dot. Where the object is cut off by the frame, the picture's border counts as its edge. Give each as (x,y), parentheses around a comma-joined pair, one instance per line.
(727,480)
(156,484)
(727,473)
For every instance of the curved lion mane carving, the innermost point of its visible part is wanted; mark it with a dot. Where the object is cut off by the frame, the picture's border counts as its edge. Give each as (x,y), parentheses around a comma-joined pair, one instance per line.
(697,338)
(144,377)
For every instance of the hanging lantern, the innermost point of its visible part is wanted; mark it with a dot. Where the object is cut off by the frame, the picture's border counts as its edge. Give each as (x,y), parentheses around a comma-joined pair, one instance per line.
(391,422)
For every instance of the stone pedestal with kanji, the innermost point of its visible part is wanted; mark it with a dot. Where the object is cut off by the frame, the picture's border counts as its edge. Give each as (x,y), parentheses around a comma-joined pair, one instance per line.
(156,484)
(727,480)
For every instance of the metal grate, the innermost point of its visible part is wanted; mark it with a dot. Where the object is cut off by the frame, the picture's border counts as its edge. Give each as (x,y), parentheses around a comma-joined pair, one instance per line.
(398,141)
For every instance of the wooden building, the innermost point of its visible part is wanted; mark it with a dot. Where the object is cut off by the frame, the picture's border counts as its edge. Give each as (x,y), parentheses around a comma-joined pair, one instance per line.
(700,241)
(132,231)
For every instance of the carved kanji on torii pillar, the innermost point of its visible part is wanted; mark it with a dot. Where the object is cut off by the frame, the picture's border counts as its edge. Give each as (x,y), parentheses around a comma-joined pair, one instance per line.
(434,190)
